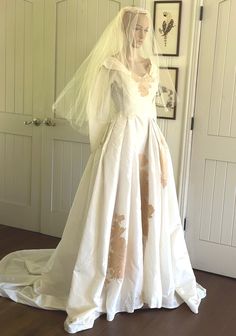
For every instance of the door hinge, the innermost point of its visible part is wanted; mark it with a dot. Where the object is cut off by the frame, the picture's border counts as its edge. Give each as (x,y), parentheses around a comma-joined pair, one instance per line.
(185,223)
(201,13)
(192,123)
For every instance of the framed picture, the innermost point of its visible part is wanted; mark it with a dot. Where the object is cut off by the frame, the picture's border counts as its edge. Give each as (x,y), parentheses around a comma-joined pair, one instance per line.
(166,95)
(167,18)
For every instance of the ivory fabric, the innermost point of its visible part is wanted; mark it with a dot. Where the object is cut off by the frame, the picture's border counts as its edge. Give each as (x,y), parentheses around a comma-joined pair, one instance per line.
(123,246)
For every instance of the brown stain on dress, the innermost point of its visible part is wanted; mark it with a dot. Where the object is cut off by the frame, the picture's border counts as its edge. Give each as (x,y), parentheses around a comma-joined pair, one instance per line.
(117,251)
(146,208)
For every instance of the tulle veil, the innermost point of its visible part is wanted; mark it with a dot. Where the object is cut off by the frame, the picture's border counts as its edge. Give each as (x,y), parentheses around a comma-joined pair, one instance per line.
(86,101)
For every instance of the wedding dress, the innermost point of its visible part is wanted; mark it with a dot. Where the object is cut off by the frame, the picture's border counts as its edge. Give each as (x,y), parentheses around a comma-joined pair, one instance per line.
(123,245)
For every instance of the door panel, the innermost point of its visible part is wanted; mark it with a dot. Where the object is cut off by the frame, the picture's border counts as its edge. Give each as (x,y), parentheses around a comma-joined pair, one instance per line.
(21,98)
(211,216)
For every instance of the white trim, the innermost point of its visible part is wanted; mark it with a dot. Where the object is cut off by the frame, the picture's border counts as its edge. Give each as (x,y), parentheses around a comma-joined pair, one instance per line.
(190,107)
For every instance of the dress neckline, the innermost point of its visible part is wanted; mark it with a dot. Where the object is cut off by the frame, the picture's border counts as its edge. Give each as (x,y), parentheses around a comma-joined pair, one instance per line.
(147,74)
(114,60)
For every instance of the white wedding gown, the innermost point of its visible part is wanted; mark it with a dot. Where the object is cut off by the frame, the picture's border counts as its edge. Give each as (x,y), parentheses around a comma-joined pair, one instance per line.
(123,245)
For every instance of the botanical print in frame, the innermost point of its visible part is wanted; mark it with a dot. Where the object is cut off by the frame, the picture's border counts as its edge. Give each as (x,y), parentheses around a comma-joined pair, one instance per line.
(167,18)
(167,93)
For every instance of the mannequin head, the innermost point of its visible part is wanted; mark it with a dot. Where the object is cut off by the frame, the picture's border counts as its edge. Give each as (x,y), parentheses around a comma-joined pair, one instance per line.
(135,27)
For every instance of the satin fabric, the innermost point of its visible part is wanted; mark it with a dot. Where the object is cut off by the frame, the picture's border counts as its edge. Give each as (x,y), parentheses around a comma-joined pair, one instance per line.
(123,245)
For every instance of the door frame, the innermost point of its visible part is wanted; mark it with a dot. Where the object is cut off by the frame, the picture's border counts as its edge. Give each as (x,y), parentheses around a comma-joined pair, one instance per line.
(191,87)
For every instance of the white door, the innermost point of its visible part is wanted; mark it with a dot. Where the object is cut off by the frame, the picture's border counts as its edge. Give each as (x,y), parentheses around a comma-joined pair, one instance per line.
(41,44)
(211,216)
(21,98)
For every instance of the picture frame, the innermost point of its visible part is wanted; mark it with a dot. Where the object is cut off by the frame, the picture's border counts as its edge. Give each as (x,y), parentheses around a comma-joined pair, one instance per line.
(166,97)
(167,21)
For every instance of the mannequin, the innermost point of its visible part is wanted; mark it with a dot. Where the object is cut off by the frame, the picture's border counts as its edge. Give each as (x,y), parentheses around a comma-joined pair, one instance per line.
(123,246)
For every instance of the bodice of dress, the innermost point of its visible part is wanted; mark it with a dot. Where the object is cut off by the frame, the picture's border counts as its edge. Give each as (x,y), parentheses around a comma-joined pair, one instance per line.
(132,94)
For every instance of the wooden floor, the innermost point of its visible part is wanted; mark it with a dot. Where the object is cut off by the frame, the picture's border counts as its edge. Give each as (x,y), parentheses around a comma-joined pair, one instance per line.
(217,313)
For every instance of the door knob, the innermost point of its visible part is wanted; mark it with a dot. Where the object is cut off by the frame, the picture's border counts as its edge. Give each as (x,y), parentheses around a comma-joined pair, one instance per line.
(49,122)
(35,121)
(38,122)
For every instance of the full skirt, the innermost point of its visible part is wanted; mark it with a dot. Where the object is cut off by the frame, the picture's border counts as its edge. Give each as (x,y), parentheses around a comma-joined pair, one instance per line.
(123,246)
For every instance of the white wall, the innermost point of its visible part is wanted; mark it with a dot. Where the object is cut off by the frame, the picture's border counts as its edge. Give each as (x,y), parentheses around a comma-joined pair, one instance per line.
(174,129)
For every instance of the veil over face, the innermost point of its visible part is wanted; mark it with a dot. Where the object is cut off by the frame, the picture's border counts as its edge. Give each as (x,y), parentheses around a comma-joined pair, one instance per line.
(129,39)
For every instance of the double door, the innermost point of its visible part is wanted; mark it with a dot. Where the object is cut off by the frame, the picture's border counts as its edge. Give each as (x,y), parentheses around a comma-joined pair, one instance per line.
(42,42)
